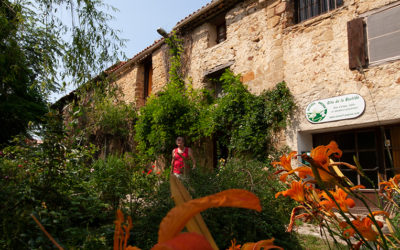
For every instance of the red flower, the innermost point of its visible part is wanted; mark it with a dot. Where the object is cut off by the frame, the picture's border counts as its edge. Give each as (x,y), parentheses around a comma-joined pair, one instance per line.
(151,170)
(20,166)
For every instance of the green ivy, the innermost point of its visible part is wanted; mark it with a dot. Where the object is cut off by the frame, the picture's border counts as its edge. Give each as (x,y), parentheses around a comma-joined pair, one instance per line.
(244,123)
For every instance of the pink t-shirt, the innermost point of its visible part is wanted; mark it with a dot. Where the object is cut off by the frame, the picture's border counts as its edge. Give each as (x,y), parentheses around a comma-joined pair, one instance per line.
(179,163)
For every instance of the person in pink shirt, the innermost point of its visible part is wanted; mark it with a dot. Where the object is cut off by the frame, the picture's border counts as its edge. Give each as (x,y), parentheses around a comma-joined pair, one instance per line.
(180,157)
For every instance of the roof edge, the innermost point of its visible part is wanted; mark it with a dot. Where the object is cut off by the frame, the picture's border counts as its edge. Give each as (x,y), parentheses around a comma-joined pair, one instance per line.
(198,13)
(139,56)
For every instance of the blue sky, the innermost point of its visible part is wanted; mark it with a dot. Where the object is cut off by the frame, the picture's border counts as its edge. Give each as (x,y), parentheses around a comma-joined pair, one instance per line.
(138,22)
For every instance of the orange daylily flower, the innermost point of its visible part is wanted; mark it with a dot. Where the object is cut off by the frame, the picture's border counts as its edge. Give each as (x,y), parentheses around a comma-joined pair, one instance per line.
(286,161)
(296,192)
(262,244)
(185,241)
(364,226)
(392,183)
(169,236)
(321,155)
(121,233)
(177,217)
(286,164)
(341,198)
(234,246)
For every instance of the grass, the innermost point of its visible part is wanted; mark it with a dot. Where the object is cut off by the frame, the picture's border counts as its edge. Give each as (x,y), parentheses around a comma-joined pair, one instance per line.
(310,242)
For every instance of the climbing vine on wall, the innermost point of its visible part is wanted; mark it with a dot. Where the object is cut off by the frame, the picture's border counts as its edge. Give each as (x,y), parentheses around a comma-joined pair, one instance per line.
(241,123)
(244,123)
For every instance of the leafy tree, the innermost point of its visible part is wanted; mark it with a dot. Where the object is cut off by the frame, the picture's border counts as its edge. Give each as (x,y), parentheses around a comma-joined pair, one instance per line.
(36,57)
(20,100)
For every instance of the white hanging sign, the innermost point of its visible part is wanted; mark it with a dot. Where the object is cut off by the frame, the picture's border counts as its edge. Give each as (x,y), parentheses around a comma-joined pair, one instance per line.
(335,108)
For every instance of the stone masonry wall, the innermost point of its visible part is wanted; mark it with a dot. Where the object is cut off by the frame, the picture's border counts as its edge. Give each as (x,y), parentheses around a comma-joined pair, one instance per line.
(312,57)
(131,80)
(126,83)
(159,70)
(266,47)
(316,67)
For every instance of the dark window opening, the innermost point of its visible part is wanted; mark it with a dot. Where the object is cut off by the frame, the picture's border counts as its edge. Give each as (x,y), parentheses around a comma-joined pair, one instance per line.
(377,150)
(214,82)
(221,32)
(148,78)
(217,30)
(306,9)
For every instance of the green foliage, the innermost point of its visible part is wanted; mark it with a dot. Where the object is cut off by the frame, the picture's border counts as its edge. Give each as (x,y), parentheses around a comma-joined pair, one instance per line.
(151,201)
(92,47)
(36,59)
(112,118)
(21,101)
(172,113)
(112,178)
(175,51)
(98,117)
(245,123)
(52,181)
(244,225)
(241,122)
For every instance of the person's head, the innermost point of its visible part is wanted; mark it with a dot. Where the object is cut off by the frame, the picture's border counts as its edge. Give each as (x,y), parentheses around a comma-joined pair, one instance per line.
(180,141)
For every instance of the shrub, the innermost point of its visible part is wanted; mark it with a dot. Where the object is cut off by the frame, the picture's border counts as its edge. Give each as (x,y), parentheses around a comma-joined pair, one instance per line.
(111,178)
(244,225)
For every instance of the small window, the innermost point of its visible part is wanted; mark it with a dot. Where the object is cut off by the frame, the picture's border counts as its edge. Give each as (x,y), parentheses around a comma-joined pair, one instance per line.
(306,9)
(217,30)
(374,39)
(383,35)
(221,32)
(148,78)
(215,84)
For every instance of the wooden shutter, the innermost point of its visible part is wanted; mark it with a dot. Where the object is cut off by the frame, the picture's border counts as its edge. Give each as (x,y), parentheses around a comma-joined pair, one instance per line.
(356,43)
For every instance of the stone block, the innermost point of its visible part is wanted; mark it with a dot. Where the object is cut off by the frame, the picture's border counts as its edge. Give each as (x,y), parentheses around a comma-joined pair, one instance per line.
(270,12)
(280,8)
(272,22)
(247,77)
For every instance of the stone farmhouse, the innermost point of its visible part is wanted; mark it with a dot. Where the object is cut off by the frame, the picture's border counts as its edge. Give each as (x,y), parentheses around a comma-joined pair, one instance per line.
(340,59)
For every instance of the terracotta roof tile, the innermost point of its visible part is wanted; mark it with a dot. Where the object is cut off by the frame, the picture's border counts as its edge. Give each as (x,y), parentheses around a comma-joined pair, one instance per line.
(115,67)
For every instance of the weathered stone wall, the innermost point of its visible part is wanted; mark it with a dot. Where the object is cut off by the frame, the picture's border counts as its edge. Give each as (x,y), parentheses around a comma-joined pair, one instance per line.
(317,67)
(127,83)
(131,80)
(253,45)
(159,70)
(312,57)
(266,47)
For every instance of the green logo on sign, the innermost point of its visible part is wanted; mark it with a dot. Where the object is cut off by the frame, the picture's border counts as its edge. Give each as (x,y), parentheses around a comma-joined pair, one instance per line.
(316,112)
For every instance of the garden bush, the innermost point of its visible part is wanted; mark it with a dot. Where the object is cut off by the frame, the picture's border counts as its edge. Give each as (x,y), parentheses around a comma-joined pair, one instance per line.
(244,225)
(51,181)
